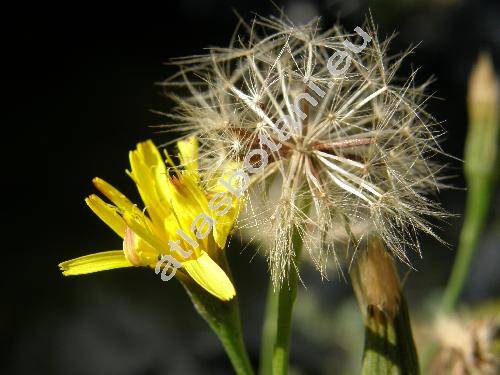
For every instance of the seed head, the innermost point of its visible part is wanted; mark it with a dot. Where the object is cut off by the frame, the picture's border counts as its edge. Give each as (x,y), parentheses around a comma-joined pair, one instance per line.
(324,120)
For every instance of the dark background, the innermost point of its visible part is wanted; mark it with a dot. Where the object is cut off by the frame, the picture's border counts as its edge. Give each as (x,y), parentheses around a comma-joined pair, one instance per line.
(80,86)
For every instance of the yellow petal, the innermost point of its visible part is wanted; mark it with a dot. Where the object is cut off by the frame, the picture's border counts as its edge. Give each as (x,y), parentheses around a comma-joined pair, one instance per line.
(150,175)
(210,276)
(226,222)
(106,260)
(224,226)
(188,200)
(150,155)
(114,195)
(107,213)
(194,192)
(151,158)
(188,154)
(141,227)
(141,174)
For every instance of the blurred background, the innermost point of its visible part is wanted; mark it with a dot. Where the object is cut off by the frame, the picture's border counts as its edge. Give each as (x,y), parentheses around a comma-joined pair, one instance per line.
(82,100)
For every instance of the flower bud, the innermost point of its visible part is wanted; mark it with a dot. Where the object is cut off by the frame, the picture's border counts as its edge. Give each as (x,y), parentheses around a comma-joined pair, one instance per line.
(482,102)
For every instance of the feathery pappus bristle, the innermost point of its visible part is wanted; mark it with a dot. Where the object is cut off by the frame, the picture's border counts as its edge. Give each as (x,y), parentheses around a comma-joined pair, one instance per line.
(322,117)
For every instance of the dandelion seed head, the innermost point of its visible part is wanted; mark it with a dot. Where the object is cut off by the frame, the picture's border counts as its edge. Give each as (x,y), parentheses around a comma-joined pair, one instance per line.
(358,147)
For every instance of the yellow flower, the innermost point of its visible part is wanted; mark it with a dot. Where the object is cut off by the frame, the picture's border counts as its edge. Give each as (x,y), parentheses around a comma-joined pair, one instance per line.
(182,221)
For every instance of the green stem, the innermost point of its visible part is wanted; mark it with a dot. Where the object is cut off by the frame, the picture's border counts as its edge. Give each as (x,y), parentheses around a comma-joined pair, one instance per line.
(481,172)
(268,332)
(286,297)
(478,201)
(276,333)
(480,169)
(224,319)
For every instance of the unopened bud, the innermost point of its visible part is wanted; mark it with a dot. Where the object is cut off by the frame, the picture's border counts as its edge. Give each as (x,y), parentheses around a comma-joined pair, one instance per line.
(482,101)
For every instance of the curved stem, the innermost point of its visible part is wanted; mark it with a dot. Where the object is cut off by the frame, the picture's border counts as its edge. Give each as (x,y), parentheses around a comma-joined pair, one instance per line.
(224,319)
(477,206)
(478,201)
(232,341)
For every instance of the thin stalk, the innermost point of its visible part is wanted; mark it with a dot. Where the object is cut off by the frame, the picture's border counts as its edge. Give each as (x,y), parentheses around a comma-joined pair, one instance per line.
(280,304)
(480,169)
(478,202)
(286,298)
(224,319)
(276,332)
(481,173)
(477,206)
(268,332)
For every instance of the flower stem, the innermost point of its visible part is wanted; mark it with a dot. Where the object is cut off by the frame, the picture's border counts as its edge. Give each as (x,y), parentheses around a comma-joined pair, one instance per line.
(276,332)
(389,346)
(477,206)
(480,169)
(481,173)
(285,299)
(224,319)
(268,332)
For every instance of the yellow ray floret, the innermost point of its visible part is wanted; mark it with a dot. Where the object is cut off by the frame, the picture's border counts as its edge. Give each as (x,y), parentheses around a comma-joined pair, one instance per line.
(103,261)
(172,203)
(210,276)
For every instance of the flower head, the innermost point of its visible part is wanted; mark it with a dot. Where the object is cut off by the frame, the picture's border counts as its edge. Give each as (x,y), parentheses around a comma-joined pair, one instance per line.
(173,205)
(321,116)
